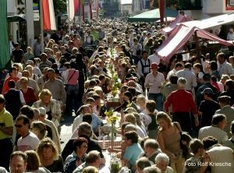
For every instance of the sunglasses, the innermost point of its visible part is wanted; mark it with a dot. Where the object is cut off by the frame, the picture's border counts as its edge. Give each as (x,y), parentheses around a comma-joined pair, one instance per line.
(18,126)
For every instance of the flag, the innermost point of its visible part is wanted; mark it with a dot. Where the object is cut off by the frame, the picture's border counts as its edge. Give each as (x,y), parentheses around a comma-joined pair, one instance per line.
(48,15)
(161,10)
(73,7)
(4,40)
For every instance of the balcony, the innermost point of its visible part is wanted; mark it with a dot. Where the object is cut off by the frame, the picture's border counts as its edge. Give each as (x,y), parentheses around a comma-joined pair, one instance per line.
(189,5)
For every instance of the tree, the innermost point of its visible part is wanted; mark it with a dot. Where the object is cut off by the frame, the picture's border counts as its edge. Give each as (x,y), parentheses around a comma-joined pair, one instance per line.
(60,6)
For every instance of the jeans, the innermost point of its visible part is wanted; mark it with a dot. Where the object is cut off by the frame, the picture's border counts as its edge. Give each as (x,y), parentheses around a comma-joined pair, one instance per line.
(72,101)
(158,98)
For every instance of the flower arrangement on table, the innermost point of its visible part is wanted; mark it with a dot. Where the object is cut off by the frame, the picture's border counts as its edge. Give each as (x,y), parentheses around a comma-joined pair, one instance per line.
(115,83)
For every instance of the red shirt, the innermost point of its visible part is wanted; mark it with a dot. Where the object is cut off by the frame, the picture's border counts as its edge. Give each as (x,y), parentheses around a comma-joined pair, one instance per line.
(181,101)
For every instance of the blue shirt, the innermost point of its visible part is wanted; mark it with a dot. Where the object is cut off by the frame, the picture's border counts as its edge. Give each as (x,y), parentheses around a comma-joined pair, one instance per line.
(132,153)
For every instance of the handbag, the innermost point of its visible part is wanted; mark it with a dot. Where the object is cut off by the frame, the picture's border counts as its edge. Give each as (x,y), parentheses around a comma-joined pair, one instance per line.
(185,138)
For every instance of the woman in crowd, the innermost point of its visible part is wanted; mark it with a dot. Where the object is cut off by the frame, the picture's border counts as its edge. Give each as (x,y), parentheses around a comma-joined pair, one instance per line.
(49,157)
(28,92)
(77,157)
(52,106)
(33,163)
(169,140)
(39,129)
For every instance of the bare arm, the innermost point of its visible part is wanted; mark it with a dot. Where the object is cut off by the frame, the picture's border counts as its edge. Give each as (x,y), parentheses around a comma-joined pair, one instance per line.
(7,130)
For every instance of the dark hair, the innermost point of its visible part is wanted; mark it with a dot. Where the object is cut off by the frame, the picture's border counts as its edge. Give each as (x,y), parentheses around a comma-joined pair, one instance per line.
(24,118)
(217,118)
(150,105)
(33,161)
(173,79)
(151,143)
(209,141)
(143,162)
(213,65)
(78,142)
(132,135)
(87,118)
(11,84)
(224,99)
(195,145)
(129,95)
(28,111)
(230,84)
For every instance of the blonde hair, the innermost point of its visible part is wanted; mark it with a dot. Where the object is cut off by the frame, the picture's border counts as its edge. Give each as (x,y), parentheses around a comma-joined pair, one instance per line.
(162,115)
(90,169)
(41,127)
(44,92)
(47,143)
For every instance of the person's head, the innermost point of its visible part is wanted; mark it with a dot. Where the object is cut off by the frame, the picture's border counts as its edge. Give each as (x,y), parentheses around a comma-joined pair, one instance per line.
(47,150)
(2,102)
(173,79)
(163,120)
(219,120)
(13,71)
(224,100)
(33,162)
(130,127)
(45,96)
(197,67)
(151,169)
(131,137)
(150,106)
(221,57)
(213,65)
(154,67)
(209,141)
(142,163)
(84,129)
(196,147)
(224,77)
(22,125)
(11,84)
(141,100)
(162,161)
(23,82)
(28,111)
(80,146)
(127,96)
(229,85)
(18,162)
(130,118)
(51,73)
(181,82)
(84,109)
(42,114)
(93,158)
(39,129)
(150,146)
(207,92)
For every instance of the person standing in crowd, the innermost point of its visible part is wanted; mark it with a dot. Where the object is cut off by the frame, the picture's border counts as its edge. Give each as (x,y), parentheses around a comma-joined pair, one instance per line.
(208,102)
(182,103)
(224,66)
(12,76)
(154,81)
(218,123)
(14,99)
(227,110)
(27,140)
(70,76)
(169,140)
(221,157)
(6,131)
(18,54)
(189,76)
(18,162)
(143,67)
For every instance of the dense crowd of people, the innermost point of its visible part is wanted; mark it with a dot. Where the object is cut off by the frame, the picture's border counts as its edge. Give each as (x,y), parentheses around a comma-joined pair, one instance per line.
(175,116)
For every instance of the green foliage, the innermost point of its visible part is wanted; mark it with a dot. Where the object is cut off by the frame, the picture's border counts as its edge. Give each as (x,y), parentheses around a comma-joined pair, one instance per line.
(60,6)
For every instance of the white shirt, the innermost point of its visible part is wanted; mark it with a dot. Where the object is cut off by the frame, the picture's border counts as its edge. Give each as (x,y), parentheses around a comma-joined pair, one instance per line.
(189,76)
(216,132)
(155,81)
(30,142)
(154,58)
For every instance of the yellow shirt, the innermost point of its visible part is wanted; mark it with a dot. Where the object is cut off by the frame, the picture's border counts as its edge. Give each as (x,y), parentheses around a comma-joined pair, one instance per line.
(6,120)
